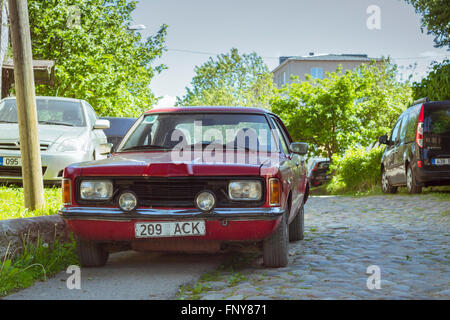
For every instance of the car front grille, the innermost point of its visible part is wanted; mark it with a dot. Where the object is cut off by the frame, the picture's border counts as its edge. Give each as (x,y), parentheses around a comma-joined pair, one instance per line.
(14,171)
(180,191)
(16,146)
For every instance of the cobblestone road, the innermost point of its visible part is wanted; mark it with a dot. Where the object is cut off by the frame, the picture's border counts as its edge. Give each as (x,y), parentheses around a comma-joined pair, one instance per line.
(407,237)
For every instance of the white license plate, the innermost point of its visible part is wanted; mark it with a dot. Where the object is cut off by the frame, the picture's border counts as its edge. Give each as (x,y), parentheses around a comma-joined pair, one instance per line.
(169,229)
(440,161)
(10,162)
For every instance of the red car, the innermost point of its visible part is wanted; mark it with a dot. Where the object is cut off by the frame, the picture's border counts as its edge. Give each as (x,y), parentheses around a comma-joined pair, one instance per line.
(191,179)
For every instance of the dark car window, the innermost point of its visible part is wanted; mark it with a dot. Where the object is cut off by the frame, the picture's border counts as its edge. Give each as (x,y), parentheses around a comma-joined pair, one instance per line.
(437,121)
(49,111)
(404,127)
(395,136)
(118,126)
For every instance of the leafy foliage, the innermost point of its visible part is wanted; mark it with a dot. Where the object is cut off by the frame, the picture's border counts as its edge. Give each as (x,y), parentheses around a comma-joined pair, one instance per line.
(435,18)
(232,80)
(343,109)
(436,85)
(36,262)
(97,59)
(358,170)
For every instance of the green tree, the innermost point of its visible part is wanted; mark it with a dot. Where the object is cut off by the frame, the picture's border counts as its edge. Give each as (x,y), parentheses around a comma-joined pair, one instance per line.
(230,79)
(435,18)
(97,58)
(436,85)
(343,109)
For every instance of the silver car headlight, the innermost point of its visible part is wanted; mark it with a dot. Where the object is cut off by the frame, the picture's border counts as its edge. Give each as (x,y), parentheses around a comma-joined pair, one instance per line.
(245,190)
(70,145)
(96,190)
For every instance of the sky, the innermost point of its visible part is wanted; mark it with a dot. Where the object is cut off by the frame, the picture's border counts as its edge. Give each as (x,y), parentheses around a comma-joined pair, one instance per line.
(198,29)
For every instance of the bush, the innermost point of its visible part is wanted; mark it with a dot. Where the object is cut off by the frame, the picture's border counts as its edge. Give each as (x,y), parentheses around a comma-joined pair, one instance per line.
(357,171)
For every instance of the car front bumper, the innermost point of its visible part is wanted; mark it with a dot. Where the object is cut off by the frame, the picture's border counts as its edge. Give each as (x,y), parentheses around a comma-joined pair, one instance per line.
(53,164)
(112,224)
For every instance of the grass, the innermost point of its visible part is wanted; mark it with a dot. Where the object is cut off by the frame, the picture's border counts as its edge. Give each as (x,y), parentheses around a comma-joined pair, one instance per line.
(12,203)
(36,263)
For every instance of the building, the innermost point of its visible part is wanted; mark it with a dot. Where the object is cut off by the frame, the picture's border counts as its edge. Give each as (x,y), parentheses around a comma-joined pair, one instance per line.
(316,65)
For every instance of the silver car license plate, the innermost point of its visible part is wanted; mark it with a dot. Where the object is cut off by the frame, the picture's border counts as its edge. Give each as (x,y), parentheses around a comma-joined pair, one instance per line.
(10,162)
(440,161)
(170,229)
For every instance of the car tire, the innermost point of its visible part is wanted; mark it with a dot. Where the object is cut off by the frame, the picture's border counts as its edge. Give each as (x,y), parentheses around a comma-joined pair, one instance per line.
(276,247)
(91,254)
(411,184)
(297,226)
(386,187)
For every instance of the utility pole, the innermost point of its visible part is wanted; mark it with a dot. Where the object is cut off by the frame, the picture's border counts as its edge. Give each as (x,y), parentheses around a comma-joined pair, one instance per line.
(3,35)
(26,105)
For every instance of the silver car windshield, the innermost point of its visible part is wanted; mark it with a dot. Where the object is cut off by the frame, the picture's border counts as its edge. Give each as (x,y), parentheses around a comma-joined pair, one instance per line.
(50,112)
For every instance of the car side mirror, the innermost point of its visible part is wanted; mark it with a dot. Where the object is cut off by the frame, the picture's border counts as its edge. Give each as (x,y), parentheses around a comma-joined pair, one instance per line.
(300,148)
(102,124)
(383,139)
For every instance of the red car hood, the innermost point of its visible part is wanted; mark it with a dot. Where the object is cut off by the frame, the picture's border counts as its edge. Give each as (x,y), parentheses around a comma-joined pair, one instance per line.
(161,164)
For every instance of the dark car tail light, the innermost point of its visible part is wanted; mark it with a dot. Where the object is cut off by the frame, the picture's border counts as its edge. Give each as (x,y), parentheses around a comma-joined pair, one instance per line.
(419,132)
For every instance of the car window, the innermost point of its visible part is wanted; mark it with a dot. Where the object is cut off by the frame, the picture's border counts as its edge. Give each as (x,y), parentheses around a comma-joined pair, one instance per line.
(50,111)
(395,136)
(281,135)
(404,126)
(169,130)
(91,114)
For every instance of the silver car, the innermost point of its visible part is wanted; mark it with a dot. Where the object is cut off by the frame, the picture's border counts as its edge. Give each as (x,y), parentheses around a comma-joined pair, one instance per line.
(69,132)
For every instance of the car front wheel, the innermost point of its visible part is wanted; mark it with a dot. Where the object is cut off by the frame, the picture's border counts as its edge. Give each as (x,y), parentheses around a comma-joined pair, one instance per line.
(91,254)
(386,187)
(276,247)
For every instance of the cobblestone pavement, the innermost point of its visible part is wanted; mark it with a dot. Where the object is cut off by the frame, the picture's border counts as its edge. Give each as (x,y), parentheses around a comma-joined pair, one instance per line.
(407,237)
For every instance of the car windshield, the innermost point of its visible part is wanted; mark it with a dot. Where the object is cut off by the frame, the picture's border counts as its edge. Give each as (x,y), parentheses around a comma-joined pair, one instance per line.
(178,130)
(49,112)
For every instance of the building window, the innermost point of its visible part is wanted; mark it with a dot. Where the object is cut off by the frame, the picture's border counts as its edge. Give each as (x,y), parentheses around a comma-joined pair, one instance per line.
(284,78)
(317,73)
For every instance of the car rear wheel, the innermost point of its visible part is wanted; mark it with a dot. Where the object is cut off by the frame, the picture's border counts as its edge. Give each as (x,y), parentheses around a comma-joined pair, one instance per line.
(91,254)
(411,184)
(276,247)
(386,187)
(297,226)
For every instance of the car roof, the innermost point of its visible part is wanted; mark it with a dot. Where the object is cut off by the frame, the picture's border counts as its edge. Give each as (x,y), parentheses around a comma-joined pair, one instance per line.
(50,98)
(208,109)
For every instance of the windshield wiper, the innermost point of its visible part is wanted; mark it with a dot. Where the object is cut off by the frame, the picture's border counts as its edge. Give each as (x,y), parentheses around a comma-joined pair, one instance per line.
(145,147)
(57,123)
(6,121)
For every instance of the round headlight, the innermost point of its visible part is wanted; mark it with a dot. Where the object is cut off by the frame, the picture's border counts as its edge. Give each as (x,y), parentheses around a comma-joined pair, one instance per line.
(205,201)
(127,201)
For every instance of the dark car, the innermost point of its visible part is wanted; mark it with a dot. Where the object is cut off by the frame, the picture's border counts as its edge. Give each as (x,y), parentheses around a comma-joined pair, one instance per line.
(117,130)
(318,173)
(418,150)
(191,179)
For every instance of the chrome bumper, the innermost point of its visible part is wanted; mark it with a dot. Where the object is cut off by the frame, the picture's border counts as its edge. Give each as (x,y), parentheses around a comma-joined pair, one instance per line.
(115,214)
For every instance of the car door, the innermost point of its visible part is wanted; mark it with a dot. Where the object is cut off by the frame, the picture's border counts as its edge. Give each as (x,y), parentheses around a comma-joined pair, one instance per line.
(297,168)
(391,150)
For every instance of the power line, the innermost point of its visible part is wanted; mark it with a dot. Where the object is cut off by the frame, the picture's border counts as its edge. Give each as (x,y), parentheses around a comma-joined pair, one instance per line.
(268,57)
